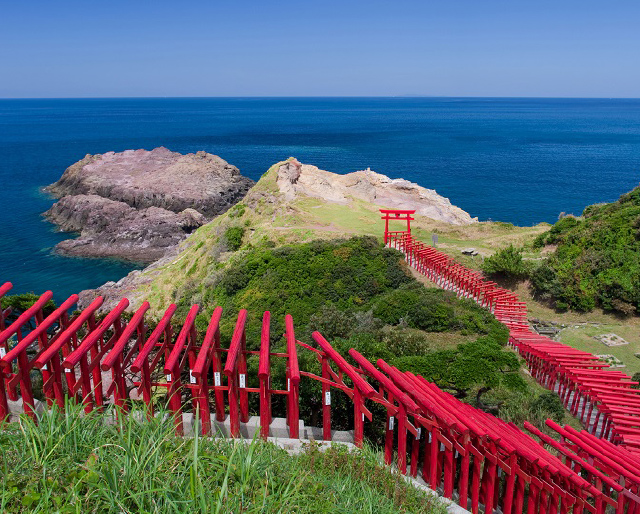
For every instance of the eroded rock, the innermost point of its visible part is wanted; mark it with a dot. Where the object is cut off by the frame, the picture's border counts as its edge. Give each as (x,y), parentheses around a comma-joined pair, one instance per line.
(136,204)
(157,178)
(296,179)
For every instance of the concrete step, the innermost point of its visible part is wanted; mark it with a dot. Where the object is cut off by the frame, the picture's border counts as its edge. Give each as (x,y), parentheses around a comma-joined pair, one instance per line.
(278,429)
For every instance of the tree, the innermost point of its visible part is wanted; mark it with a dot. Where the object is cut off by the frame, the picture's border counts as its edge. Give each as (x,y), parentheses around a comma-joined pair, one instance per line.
(482,363)
(21,302)
(507,263)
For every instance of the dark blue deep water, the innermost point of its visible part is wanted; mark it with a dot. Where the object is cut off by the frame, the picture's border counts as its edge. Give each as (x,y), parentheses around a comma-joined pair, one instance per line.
(517,160)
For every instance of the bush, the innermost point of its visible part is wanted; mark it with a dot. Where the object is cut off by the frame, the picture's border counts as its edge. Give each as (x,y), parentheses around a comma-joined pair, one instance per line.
(237,211)
(433,310)
(233,236)
(481,363)
(21,302)
(550,404)
(332,322)
(507,263)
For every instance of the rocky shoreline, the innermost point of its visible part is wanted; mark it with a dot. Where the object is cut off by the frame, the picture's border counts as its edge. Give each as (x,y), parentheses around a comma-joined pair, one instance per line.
(137,204)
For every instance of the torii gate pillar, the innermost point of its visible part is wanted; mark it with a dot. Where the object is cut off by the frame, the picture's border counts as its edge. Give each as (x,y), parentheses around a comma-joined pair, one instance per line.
(396,214)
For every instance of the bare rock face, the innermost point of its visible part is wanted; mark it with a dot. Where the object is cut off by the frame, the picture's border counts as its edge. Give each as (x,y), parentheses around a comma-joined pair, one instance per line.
(296,179)
(113,229)
(134,205)
(157,178)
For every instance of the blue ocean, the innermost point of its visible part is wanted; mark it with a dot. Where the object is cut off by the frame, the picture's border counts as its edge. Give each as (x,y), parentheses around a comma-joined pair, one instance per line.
(517,160)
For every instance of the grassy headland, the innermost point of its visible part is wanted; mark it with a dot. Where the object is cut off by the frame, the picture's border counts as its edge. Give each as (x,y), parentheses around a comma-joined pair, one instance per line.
(266,219)
(323,263)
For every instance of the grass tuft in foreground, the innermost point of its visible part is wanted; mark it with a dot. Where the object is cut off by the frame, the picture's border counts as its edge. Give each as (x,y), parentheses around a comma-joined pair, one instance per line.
(74,463)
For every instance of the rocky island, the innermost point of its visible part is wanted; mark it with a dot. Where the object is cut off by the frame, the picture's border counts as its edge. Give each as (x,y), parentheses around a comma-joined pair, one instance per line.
(136,204)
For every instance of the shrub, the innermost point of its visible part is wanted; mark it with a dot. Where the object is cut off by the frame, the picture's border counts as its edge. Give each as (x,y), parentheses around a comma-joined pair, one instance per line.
(507,263)
(332,322)
(233,236)
(21,302)
(237,211)
(550,404)
(482,362)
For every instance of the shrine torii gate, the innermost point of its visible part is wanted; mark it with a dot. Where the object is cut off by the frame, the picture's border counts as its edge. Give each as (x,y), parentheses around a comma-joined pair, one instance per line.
(397,215)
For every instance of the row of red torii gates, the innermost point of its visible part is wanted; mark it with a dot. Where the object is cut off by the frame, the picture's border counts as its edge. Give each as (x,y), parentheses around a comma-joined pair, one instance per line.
(465,453)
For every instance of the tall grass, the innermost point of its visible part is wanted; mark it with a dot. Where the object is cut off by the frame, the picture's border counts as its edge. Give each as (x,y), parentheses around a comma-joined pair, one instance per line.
(74,463)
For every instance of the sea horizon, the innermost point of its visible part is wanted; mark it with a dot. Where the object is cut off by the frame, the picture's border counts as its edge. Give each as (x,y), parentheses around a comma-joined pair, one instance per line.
(408,95)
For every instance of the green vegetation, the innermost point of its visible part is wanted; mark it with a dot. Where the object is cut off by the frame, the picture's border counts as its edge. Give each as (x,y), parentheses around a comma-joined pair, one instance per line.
(582,337)
(21,302)
(533,405)
(237,211)
(460,369)
(233,236)
(300,279)
(360,295)
(74,463)
(596,259)
(344,277)
(506,263)
(276,222)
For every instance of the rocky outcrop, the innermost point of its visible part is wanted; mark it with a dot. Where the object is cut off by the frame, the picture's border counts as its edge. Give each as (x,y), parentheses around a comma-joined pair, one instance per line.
(295,179)
(157,178)
(134,205)
(273,198)
(113,229)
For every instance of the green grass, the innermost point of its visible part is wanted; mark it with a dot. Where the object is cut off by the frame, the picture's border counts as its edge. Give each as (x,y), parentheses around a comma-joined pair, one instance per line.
(582,338)
(581,327)
(74,463)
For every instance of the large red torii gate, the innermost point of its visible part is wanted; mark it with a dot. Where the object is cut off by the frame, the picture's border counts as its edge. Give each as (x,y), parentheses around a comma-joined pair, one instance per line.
(396,215)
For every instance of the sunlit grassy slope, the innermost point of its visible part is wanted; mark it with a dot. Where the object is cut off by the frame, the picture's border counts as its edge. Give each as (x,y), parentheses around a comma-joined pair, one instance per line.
(580,329)
(269,220)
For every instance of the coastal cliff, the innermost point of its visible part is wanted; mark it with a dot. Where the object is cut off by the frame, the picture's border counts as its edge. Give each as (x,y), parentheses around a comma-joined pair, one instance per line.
(136,204)
(297,180)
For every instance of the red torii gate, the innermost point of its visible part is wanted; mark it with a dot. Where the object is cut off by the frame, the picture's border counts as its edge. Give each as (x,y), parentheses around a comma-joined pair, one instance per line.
(397,215)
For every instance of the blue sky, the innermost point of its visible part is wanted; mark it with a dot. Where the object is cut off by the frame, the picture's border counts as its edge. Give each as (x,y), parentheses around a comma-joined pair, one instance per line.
(90,48)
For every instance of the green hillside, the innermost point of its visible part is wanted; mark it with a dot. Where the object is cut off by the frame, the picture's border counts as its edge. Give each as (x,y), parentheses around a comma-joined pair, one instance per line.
(265,219)
(324,264)
(596,261)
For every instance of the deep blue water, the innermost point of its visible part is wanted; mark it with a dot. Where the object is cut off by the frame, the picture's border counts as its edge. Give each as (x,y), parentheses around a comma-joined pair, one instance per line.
(517,160)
